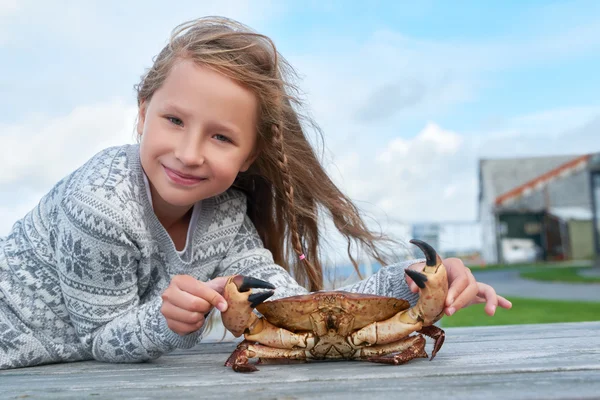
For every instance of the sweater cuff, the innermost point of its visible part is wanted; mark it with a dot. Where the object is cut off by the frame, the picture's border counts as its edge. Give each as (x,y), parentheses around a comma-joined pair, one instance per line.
(178,341)
(166,338)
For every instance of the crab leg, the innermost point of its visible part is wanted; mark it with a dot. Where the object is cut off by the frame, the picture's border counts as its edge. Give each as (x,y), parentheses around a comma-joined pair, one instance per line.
(433,285)
(436,334)
(397,353)
(393,353)
(239,316)
(268,334)
(239,359)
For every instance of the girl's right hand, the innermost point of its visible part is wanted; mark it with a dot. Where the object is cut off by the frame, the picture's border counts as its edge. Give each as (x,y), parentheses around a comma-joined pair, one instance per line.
(187,301)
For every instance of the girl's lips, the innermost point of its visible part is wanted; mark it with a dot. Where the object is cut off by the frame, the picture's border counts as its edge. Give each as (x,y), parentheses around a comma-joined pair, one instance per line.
(181,179)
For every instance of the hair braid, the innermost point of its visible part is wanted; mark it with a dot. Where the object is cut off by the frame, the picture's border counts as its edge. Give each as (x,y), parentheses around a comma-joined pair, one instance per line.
(314,275)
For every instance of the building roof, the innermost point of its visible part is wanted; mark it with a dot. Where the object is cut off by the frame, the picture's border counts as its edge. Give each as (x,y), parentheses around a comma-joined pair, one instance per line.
(499,177)
(540,182)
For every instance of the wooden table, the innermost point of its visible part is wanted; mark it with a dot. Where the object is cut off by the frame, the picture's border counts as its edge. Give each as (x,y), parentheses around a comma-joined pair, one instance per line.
(549,361)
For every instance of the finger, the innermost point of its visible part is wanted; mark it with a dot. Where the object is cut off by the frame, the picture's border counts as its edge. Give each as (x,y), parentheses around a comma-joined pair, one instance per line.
(202,290)
(477,300)
(175,313)
(504,303)
(182,328)
(460,281)
(491,298)
(186,301)
(218,284)
(469,292)
(411,284)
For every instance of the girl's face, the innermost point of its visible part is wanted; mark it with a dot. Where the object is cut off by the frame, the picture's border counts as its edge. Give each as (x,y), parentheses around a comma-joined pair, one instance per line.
(198,131)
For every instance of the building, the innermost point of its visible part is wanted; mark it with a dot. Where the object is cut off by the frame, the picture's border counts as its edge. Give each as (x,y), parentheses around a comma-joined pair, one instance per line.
(529,206)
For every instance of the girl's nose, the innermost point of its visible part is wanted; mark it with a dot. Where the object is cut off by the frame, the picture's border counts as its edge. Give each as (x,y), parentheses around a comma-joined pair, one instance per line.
(190,151)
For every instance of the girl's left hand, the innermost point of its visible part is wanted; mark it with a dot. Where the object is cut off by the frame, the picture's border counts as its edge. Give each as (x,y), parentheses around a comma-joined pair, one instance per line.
(464,290)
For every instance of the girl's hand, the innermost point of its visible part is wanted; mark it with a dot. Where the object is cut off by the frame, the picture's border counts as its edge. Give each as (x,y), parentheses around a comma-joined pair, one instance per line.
(187,301)
(464,290)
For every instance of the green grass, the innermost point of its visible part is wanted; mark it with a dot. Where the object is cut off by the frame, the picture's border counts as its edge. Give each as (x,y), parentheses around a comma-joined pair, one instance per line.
(560,274)
(526,311)
(532,266)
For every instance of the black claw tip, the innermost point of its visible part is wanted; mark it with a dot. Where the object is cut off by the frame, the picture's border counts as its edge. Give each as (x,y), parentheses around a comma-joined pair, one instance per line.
(430,254)
(252,283)
(257,298)
(418,277)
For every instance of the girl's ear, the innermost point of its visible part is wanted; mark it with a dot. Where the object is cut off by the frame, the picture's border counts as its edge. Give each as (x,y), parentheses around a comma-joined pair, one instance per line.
(141,117)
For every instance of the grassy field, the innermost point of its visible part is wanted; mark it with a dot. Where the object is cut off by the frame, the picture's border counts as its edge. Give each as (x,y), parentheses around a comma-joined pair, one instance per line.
(526,311)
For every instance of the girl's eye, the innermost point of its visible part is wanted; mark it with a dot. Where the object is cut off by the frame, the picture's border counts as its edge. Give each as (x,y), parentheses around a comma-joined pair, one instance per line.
(222,138)
(175,120)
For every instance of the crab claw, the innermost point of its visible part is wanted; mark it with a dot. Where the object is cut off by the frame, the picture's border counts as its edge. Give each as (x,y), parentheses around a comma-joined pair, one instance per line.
(433,286)
(240,299)
(431,256)
(433,290)
(245,283)
(417,277)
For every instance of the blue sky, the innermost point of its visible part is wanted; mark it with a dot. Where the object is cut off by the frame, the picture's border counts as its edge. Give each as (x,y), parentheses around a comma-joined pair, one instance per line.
(409,96)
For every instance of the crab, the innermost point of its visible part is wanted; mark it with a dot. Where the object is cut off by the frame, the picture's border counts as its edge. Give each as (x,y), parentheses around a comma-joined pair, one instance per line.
(336,325)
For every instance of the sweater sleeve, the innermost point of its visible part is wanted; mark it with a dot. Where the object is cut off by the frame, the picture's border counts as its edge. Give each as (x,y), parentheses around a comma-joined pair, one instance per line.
(247,256)
(97,264)
(388,281)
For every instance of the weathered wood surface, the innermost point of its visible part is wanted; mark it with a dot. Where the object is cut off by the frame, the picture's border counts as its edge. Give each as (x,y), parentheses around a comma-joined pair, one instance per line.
(546,361)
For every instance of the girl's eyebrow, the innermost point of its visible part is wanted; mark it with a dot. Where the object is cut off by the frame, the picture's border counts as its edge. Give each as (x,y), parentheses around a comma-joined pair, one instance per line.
(176,109)
(228,128)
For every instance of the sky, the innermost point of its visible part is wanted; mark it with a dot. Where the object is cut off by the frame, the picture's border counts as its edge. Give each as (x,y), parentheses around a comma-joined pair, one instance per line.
(409,96)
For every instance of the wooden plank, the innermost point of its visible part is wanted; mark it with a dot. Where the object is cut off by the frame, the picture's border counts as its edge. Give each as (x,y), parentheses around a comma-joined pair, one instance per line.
(526,361)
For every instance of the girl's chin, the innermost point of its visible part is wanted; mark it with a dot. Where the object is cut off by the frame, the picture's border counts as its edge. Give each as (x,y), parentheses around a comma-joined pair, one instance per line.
(181,203)
(177,200)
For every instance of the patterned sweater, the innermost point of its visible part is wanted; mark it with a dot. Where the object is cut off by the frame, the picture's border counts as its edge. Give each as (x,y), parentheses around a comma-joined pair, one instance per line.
(82,273)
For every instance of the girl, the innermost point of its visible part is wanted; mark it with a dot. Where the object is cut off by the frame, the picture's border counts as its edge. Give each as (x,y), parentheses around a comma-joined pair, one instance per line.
(123,258)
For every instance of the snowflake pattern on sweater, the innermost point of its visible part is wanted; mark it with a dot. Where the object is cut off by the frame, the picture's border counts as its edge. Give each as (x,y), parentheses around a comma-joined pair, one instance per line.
(82,273)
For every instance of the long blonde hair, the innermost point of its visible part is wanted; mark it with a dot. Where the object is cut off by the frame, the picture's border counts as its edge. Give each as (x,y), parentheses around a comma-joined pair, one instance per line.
(286,187)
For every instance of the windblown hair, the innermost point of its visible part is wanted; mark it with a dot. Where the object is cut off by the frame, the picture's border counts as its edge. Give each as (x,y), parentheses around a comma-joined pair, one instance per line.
(286,187)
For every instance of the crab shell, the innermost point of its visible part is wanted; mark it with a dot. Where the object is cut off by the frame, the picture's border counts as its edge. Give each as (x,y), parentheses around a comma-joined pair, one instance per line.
(341,311)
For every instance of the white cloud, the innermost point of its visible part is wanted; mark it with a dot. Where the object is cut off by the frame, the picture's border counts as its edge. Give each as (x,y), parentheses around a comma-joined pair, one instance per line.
(431,139)
(412,179)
